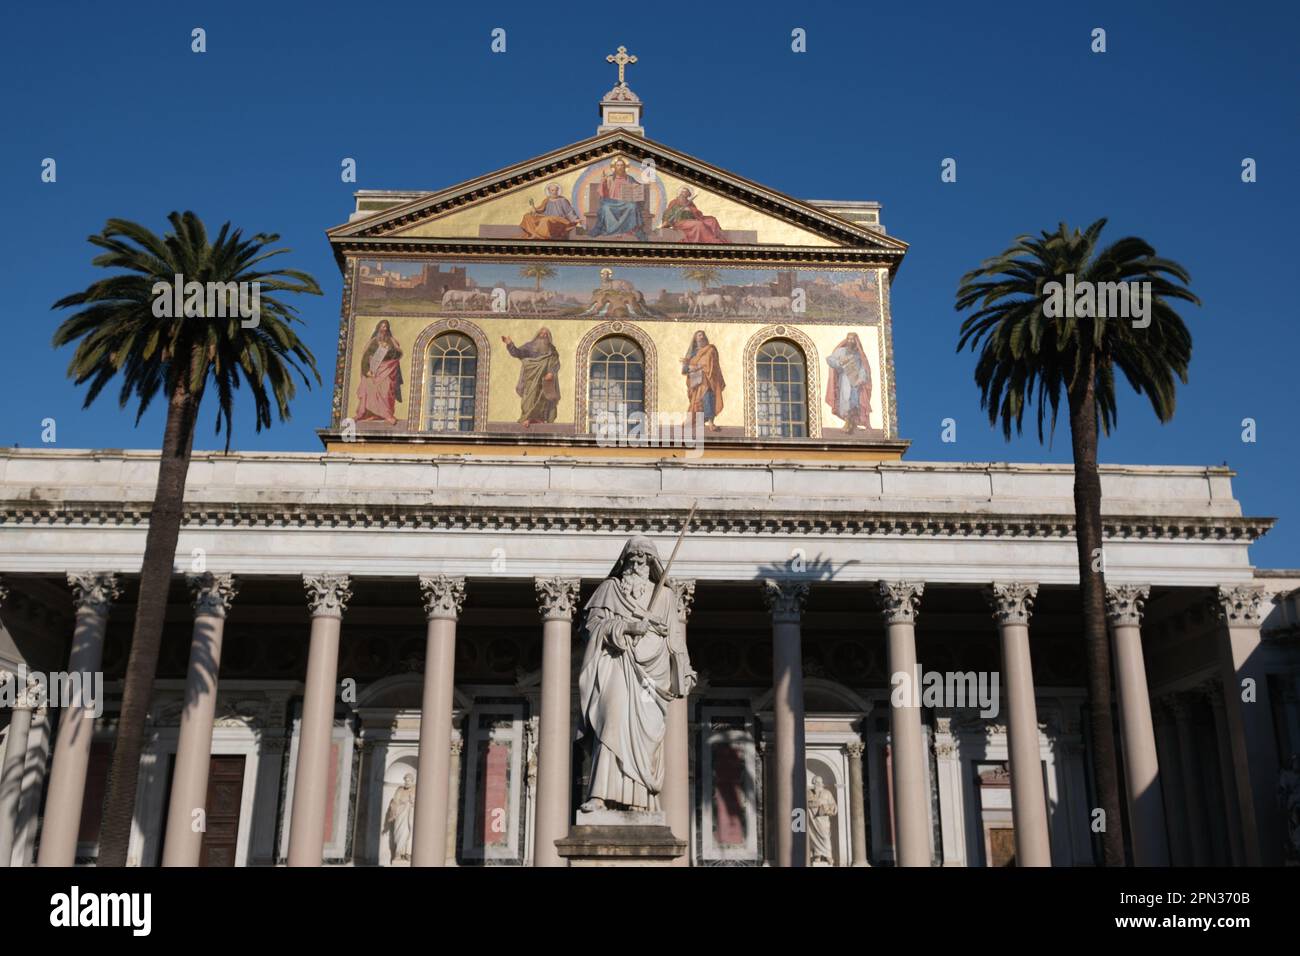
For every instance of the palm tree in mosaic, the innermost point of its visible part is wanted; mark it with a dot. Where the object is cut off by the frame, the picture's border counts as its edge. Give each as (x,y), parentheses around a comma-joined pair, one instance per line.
(538,273)
(704,275)
(1032,354)
(118,330)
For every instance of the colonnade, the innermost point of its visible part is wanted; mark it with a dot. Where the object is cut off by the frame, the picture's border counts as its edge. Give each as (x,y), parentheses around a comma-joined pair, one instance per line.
(1239,756)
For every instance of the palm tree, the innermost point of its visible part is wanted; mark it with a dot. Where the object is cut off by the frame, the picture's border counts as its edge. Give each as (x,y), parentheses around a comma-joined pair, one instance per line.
(118,330)
(704,276)
(1028,356)
(537,272)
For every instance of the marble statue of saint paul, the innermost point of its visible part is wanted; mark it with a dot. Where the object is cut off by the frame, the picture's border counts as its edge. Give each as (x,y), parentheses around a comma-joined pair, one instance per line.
(635,663)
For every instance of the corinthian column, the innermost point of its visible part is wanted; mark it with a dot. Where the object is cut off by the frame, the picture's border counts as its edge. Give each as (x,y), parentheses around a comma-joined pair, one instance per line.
(327,596)
(1248,714)
(443,598)
(1178,826)
(1193,784)
(29,699)
(92,595)
(785,601)
(557,599)
(1226,776)
(857,804)
(676,798)
(183,843)
(1012,604)
(1141,764)
(900,601)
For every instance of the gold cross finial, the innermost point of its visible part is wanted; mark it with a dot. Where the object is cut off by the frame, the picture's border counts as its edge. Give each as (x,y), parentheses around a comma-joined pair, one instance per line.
(622,59)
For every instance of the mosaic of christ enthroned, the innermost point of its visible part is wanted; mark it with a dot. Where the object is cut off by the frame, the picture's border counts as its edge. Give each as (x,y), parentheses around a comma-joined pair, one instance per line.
(621,200)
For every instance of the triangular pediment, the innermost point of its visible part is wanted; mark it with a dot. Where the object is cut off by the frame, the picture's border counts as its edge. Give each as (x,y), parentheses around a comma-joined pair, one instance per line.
(617,188)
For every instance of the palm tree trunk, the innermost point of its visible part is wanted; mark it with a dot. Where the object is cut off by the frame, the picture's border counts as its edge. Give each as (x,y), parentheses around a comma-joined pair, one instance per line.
(1092,589)
(150,613)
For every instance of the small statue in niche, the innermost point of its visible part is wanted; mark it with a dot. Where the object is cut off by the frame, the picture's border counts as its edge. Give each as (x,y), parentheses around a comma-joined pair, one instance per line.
(821,808)
(399,818)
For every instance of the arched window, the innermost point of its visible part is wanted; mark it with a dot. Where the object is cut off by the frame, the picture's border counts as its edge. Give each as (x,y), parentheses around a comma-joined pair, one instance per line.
(615,385)
(449,394)
(781,399)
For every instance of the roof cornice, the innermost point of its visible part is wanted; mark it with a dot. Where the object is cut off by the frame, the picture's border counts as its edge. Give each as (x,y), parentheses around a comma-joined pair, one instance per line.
(491,517)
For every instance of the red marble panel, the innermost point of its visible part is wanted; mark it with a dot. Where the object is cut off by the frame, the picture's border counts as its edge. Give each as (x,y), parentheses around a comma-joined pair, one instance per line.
(494,794)
(332,787)
(728,795)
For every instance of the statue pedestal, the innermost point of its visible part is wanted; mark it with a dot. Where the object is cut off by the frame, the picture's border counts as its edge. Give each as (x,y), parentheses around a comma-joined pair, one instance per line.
(620,838)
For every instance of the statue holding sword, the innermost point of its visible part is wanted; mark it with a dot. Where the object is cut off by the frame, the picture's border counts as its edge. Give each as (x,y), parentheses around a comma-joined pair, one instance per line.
(635,663)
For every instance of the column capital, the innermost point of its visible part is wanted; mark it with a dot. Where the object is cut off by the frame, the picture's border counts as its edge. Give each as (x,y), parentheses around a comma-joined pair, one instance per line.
(684,591)
(33,696)
(1012,602)
(444,596)
(855,749)
(28,689)
(945,748)
(785,599)
(900,601)
(94,591)
(1124,603)
(1240,606)
(327,594)
(9,688)
(557,598)
(213,593)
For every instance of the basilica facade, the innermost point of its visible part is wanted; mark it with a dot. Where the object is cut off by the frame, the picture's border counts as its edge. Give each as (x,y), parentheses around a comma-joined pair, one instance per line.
(371,650)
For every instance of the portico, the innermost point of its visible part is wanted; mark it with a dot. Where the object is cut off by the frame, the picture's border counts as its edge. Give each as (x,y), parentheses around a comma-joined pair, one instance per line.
(795,609)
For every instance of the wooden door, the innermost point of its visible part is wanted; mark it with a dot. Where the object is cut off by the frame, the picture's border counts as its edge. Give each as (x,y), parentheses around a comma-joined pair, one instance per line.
(225,794)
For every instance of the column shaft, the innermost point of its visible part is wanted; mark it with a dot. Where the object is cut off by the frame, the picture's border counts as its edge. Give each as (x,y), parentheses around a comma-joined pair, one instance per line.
(429,837)
(1012,604)
(311,789)
(789,769)
(1141,760)
(676,797)
(11,773)
(907,739)
(788,724)
(558,598)
(1231,807)
(1250,724)
(1029,803)
(1193,786)
(92,593)
(443,599)
(857,805)
(183,842)
(1171,772)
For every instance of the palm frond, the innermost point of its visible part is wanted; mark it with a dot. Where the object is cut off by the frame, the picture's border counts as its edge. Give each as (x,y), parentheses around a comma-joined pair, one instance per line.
(116,332)
(1027,357)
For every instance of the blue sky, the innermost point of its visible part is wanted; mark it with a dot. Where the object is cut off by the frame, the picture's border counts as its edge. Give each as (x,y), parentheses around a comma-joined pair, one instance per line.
(1150,134)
